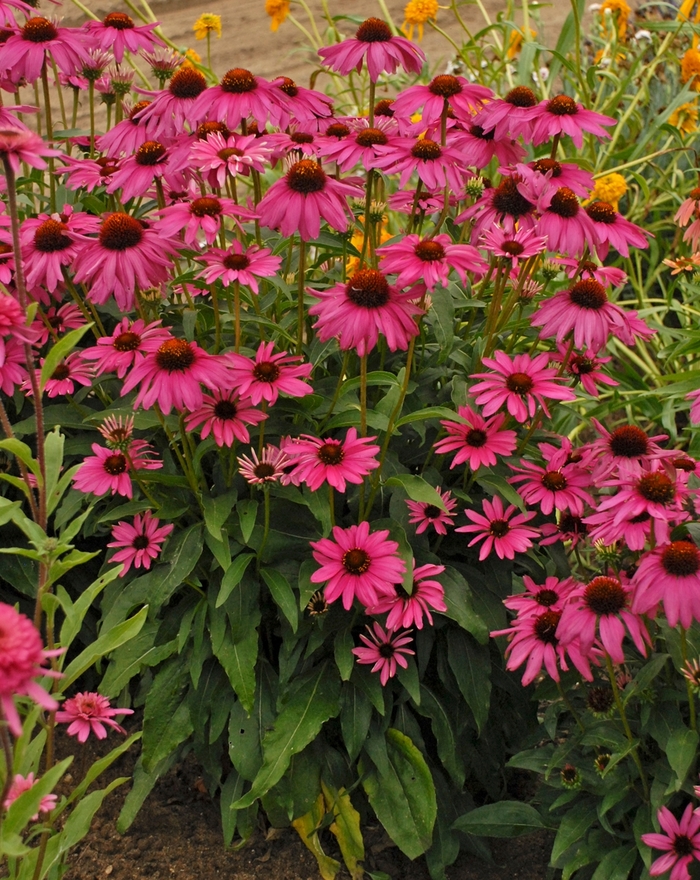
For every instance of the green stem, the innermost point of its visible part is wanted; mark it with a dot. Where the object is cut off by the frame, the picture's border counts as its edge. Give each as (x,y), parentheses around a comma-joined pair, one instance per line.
(372,89)
(363,395)
(567,703)
(300,296)
(266,527)
(331,504)
(49,134)
(237,315)
(626,725)
(91,98)
(691,695)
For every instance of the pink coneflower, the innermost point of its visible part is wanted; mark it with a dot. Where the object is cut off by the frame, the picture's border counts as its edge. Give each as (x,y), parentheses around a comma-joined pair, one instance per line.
(201,216)
(521,383)
(18,144)
(365,145)
(269,468)
(57,321)
(269,375)
(476,440)
(225,416)
(137,173)
(315,461)
(172,107)
(405,610)
(141,541)
(652,492)
(127,254)
(608,276)
(126,136)
(430,260)
(435,165)
(535,599)
(219,157)
(50,242)
(171,376)
(533,641)
(408,201)
(613,229)
(239,263)
(584,368)
(423,514)
(680,843)
(512,115)
(626,450)
(500,530)
(20,784)
(565,174)
(13,371)
(238,96)
(694,398)
(670,574)
(562,115)
(601,608)
(634,531)
(559,485)
(108,470)
(385,650)
(504,204)
(298,201)
(68,372)
(22,659)
(88,173)
(87,713)
(118,32)
(117,431)
(567,227)
(690,209)
(374,44)
(12,316)
(367,305)
(295,103)
(516,246)
(129,342)
(567,528)
(479,147)
(357,564)
(38,42)
(463,97)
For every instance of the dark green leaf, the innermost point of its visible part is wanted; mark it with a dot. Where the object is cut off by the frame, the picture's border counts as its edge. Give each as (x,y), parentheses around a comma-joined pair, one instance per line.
(504,819)
(471,666)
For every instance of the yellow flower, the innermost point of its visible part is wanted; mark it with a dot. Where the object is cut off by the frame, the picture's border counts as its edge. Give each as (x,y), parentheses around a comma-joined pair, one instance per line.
(358,239)
(690,68)
(686,8)
(515,43)
(190,56)
(278,10)
(685,118)
(620,11)
(416,14)
(610,189)
(206,24)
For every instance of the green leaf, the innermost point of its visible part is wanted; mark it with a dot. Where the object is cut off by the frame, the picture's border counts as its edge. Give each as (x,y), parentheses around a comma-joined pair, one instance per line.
(231,790)
(417,489)
(75,611)
(141,787)
(101,765)
(342,649)
(573,827)
(108,641)
(311,702)
(431,412)
(617,864)
(53,452)
(458,598)
(346,828)
(283,595)
(247,514)
(441,722)
(59,351)
(409,679)
(471,666)
(21,451)
(645,676)
(504,819)
(217,511)
(26,805)
(442,318)
(238,656)
(403,798)
(232,576)
(166,716)
(355,717)
(499,486)
(681,750)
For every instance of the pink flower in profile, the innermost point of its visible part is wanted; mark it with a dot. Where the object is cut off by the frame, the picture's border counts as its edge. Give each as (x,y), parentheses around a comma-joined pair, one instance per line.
(239,263)
(561,484)
(613,229)
(510,116)
(694,398)
(437,166)
(50,242)
(385,650)
(22,658)
(12,317)
(669,575)
(139,172)
(405,610)
(500,530)
(424,514)
(365,145)
(680,843)
(567,227)
(56,322)
(268,468)
(172,107)
(521,384)
(374,44)
(477,441)
(462,96)
(357,565)
(567,528)
(141,541)
(601,608)
(66,374)
(562,115)
(652,492)
(128,344)
(269,375)
(108,470)
(430,260)
(518,245)
(533,641)
(239,95)
(37,42)
(18,144)
(203,215)
(535,599)
(479,147)
(127,254)
(608,276)
(125,137)
(13,371)
(315,461)
(565,174)
(293,102)
(87,713)
(505,205)
(172,376)
(626,450)
(305,195)
(20,784)
(367,305)
(225,416)
(88,173)
(584,368)
(219,157)
(118,32)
